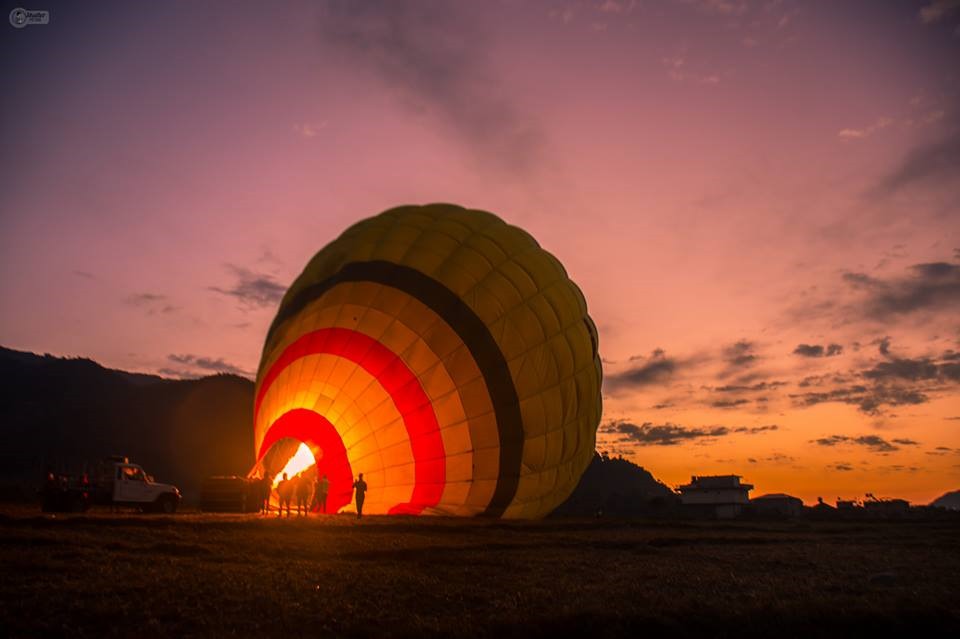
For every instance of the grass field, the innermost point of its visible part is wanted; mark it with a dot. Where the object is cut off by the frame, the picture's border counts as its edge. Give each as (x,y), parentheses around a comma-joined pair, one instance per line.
(204,575)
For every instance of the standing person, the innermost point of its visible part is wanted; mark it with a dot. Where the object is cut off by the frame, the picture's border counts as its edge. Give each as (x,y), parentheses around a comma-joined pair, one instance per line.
(266,487)
(320,494)
(360,487)
(304,488)
(285,490)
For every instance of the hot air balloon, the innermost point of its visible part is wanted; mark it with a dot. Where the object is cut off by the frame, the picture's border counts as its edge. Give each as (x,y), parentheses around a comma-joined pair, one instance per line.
(442,353)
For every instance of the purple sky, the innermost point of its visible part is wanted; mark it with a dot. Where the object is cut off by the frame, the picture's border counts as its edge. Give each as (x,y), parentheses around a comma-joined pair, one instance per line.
(736,186)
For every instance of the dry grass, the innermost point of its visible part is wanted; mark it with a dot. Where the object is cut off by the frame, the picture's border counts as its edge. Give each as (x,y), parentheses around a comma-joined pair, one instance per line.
(203,575)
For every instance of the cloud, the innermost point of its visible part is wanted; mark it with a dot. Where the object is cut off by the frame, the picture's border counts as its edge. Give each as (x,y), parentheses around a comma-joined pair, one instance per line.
(883,345)
(930,286)
(894,381)
(935,162)
(655,370)
(899,468)
(207,364)
(873,443)
(308,130)
(678,71)
(909,369)
(729,403)
(722,7)
(254,290)
(940,451)
(740,388)
(152,303)
(740,354)
(755,430)
(841,467)
(868,399)
(178,373)
(84,274)
(144,299)
(613,6)
(937,10)
(775,458)
(434,54)
(648,434)
(816,350)
(778,458)
(905,442)
(865,132)
(669,434)
(822,380)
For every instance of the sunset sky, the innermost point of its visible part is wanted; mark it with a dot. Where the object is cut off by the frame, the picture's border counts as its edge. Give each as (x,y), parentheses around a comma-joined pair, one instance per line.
(759,200)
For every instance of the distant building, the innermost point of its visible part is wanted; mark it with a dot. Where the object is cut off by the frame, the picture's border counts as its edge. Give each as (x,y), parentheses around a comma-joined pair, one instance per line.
(885,508)
(719,496)
(778,504)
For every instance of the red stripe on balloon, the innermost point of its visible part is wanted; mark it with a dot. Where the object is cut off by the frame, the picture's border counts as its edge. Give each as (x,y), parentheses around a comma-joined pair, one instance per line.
(316,431)
(404,389)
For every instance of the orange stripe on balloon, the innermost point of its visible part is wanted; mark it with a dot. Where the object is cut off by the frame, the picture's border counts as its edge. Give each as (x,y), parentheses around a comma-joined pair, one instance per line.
(404,389)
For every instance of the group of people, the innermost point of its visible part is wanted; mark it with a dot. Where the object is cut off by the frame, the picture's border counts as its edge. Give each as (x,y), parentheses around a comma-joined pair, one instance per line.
(310,495)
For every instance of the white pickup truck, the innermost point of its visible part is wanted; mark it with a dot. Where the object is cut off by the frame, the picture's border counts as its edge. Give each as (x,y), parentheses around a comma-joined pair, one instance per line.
(115,482)
(133,487)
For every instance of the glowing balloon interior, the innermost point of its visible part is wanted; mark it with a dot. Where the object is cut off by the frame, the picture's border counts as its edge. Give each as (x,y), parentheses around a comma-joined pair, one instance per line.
(443,354)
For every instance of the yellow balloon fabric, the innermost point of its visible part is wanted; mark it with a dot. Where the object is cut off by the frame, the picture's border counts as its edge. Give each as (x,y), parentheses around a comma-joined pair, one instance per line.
(443,354)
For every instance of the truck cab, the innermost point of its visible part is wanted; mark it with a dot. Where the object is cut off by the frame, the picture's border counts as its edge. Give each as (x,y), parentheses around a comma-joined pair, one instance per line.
(133,487)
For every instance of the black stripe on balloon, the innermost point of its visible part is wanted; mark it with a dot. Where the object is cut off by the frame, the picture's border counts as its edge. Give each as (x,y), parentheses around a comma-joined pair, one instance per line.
(475,335)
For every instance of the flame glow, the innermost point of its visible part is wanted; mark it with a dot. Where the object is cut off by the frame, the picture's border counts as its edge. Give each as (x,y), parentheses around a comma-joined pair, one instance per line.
(301,460)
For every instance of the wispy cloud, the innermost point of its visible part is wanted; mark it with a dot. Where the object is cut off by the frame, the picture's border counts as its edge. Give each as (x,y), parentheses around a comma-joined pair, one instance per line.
(729,403)
(937,162)
(657,369)
(873,443)
(869,399)
(937,10)
(253,290)
(816,350)
(434,54)
(740,354)
(843,467)
(309,130)
(205,364)
(151,303)
(741,388)
(858,134)
(669,434)
(931,286)
(679,71)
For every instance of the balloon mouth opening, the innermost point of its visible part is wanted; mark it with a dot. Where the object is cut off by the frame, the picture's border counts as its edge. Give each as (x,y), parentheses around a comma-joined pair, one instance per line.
(287,455)
(302,460)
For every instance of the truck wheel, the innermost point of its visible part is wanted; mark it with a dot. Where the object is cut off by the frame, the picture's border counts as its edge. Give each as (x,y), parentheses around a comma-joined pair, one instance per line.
(166,505)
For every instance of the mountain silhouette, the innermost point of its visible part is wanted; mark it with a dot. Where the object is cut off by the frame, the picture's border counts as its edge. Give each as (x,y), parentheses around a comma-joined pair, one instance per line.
(62,412)
(614,486)
(950,501)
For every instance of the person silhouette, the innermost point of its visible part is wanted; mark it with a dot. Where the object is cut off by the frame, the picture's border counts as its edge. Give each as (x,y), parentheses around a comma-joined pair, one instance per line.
(285,490)
(265,488)
(304,488)
(360,487)
(320,493)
